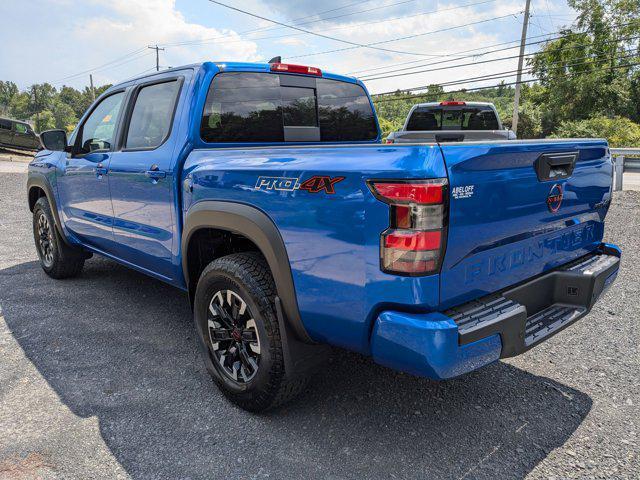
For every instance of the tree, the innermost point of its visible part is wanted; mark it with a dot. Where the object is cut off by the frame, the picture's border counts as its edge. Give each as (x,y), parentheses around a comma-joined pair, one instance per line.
(42,96)
(64,116)
(588,71)
(73,98)
(7,91)
(619,131)
(44,120)
(20,106)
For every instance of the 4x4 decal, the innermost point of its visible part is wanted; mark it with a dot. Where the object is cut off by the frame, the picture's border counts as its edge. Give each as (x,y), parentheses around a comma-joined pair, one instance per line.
(315,184)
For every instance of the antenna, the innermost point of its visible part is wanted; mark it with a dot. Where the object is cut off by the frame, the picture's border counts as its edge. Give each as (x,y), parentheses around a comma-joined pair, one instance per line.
(277,59)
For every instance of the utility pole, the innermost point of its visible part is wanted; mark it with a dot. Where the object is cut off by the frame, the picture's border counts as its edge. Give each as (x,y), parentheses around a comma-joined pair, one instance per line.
(157,49)
(523,41)
(34,90)
(93,91)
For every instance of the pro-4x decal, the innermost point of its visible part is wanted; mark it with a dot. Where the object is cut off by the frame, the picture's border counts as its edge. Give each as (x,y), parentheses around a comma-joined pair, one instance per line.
(315,184)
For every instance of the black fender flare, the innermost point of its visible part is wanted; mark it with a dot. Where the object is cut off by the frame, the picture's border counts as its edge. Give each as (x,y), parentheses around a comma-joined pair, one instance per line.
(38,180)
(255,225)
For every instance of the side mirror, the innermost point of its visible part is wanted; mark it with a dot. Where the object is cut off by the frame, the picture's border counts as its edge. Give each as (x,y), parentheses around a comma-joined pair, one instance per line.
(55,140)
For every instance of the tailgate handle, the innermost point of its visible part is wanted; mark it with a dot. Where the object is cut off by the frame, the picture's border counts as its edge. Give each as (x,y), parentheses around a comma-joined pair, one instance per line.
(554,166)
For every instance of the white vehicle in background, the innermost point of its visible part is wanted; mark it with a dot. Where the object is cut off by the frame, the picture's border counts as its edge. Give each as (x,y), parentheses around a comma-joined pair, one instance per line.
(451,121)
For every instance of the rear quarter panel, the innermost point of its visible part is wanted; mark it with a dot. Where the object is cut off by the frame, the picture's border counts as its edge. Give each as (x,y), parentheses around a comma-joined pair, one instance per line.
(332,240)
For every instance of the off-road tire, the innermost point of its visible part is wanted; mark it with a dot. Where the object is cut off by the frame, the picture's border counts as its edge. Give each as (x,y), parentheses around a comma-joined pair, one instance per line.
(248,275)
(63,261)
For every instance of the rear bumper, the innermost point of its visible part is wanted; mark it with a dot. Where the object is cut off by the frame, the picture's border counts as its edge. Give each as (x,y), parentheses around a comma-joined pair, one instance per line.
(505,324)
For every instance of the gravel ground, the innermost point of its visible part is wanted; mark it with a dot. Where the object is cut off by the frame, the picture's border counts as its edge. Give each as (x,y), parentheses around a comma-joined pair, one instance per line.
(100,377)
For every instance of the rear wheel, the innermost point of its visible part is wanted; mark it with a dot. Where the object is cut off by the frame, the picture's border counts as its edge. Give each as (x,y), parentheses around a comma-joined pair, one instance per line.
(57,259)
(239,332)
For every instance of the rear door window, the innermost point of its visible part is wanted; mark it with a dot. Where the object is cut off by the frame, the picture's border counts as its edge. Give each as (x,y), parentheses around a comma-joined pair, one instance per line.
(345,112)
(255,107)
(152,115)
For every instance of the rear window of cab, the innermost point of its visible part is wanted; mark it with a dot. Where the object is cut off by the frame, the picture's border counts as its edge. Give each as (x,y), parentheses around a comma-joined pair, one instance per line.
(273,108)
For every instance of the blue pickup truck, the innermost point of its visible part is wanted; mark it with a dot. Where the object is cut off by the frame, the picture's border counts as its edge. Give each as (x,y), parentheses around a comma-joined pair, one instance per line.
(264,191)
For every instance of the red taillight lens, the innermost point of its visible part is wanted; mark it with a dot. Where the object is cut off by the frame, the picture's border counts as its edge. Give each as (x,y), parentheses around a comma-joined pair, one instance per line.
(414,242)
(409,192)
(452,103)
(289,68)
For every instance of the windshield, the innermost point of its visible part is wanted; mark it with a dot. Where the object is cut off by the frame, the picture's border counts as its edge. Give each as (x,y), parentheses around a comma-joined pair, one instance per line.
(453,118)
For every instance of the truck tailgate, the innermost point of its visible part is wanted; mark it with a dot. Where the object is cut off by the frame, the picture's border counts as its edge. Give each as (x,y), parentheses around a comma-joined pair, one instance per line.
(518,209)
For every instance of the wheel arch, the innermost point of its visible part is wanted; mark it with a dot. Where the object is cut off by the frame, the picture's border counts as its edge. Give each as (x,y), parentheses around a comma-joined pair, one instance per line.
(37,187)
(255,226)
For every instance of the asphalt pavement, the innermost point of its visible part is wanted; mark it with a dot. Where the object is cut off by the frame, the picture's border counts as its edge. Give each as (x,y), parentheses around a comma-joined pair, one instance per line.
(100,377)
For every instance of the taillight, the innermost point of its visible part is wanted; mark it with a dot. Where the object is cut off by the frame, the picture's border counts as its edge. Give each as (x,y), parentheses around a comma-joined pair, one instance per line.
(452,103)
(415,240)
(388,141)
(289,68)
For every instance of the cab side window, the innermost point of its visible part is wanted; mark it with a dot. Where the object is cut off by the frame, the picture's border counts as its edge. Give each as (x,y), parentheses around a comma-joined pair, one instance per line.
(99,129)
(152,114)
(20,127)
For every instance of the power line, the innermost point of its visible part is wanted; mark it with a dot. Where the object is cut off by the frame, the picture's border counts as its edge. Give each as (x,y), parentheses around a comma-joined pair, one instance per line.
(100,66)
(105,67)
(263,29)
(342,27)
(566,35)
(485,87)
(510,73)
(513,73)
(348,42)
(475,55)
(406,37)
(454,54)
(500,59)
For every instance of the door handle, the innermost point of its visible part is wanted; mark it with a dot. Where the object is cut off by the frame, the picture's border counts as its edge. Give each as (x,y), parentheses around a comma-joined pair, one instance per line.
(101,170)
(155,173)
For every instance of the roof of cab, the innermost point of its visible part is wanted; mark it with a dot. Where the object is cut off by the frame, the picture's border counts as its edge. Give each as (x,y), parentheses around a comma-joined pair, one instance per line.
(232,67)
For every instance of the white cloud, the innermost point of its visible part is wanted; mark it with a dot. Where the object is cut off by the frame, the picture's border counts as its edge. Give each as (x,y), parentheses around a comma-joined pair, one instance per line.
(292,42)
(129,25)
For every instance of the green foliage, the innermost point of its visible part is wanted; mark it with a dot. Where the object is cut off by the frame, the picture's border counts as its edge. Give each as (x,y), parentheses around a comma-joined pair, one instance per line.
(620,132)
(43,120)
(591,70)
(7,91)
(63,115)
(45,107)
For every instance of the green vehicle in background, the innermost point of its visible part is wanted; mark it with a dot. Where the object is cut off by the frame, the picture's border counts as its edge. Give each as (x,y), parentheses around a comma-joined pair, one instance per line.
(18,135)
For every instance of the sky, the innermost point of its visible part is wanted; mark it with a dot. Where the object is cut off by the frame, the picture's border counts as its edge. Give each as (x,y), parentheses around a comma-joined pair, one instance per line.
(63,41)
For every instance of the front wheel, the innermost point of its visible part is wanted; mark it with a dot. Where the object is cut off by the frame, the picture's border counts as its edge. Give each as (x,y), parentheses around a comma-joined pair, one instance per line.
(239,333)
(57,259)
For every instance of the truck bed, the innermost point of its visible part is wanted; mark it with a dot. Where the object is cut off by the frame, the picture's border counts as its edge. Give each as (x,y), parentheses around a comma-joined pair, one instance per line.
(497,211)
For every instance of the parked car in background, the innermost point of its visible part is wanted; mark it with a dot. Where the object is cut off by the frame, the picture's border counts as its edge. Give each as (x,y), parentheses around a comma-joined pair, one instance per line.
(451,121)
(19,135)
